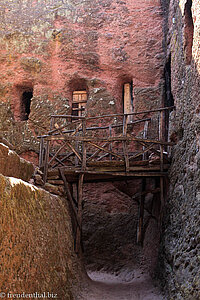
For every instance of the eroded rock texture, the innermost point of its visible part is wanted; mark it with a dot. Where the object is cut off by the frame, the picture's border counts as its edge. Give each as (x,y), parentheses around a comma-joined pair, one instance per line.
(36,242)
(110,225)
(49,49)
(181,241)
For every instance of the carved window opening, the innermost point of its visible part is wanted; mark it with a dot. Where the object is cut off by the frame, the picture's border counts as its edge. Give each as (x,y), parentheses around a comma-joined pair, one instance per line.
(25,104)
(79,101)
(188,32)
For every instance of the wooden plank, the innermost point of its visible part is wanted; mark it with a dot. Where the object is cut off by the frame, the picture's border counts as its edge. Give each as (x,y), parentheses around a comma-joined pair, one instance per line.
(97,152)
(75,152)
(76,130)
(162,202)
(69,196)
(124,174)
(41,152)
(57,152)
(46,159)
(125,121)
(102,156)
(112,139)
(116,115)
(79,92)
(145,134)
(110,135)
(140,229)
(63,159)
(127,98)
(84,149)
(78,246)
(161,139)
(142,152)
(105,150)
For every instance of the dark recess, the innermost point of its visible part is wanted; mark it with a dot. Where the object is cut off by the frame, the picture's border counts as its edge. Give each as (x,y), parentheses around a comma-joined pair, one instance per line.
(25,104)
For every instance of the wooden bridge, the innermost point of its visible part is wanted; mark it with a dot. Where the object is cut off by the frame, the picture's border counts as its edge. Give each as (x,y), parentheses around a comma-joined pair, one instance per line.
(80,149)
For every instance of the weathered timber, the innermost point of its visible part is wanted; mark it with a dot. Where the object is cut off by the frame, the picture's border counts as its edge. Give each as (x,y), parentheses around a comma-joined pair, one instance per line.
(112,139)
(69,195)
(63,159)
(78,242)
(103,156)
(57,152)
(75,152)
(105,150)
(142,152)
(41,153)
(125,121)
(115,115)
(97,152)
(46,162)
(140,230)
(84,150)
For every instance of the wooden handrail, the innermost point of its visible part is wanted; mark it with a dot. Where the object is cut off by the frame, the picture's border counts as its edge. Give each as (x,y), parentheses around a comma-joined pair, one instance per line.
(114,115)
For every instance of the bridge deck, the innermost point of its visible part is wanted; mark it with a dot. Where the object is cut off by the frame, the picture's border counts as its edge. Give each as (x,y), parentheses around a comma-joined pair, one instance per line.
(105,148)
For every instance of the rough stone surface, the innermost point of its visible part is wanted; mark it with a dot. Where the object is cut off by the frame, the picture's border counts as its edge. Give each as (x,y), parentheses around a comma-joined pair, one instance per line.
(55,47)
(181,257)
(13,165)
(110,227)
(36,245)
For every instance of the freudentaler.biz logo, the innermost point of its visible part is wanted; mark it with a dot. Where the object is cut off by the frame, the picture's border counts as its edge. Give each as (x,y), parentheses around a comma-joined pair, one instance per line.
(36,295)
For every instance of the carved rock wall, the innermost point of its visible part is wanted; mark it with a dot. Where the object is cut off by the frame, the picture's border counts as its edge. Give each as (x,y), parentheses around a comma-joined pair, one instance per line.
(52,48)
(181,258)
(36,242)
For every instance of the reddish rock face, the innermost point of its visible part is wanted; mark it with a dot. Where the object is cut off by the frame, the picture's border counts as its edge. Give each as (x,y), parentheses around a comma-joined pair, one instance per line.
(51,49)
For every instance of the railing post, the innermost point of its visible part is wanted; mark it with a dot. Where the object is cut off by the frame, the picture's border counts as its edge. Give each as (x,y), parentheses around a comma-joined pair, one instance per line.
(41,153)
(161,140)
(145,134)
(84,149)
(161,166)
(46,163)
(125,124)
(110,135)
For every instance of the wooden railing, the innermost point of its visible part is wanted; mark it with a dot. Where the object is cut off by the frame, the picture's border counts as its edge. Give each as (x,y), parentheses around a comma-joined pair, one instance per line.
(78,143)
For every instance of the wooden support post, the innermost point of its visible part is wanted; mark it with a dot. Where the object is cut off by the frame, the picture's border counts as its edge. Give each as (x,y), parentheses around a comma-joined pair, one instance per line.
(161,168)
(69,195)
(46,162)
(145,134)
(41,153)
(110,135)
(125,122)
(78,244)
(140,229)
(161,140)
(84,149)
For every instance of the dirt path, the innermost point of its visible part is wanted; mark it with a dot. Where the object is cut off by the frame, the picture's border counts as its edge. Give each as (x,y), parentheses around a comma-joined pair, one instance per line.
(127,286)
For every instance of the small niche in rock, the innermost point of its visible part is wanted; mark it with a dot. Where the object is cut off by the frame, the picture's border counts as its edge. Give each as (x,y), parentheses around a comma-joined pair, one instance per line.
(25,104)
(188,32)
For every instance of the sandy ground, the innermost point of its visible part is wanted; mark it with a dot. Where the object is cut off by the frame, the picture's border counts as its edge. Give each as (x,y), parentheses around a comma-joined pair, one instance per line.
(126,286)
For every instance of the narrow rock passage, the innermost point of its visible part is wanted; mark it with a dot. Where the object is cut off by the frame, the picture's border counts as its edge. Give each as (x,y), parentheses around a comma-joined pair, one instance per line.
(125,286)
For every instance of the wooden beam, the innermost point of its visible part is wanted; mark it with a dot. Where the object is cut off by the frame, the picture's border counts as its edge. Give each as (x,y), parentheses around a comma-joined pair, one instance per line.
(75,152)
(97,152)
(112,139)
(69,195)
(84,149)
(105,150)
(46,159)
(57,152)
(140,230)
(41,153)
(78,244)
(125,121)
